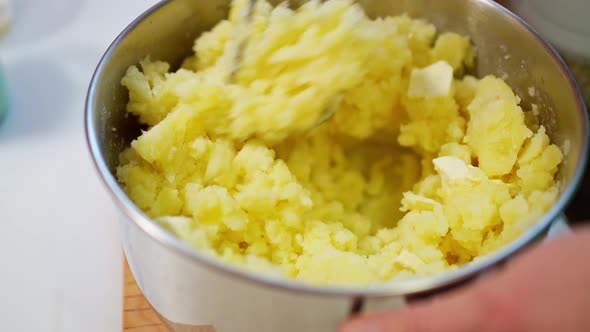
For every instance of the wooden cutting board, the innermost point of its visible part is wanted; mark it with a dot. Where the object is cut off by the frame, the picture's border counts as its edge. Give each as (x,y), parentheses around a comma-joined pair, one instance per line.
(138,314)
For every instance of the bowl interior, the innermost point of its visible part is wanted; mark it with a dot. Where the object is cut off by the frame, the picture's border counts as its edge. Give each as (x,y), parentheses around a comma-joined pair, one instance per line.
(506,47)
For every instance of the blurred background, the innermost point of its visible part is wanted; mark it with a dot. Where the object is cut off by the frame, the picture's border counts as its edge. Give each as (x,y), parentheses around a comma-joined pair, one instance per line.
(61,257)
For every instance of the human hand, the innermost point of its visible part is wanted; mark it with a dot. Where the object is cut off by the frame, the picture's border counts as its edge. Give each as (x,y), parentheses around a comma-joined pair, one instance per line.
(546,288)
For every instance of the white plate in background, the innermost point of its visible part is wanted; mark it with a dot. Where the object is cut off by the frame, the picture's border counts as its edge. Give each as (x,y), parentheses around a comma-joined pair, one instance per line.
(59,248)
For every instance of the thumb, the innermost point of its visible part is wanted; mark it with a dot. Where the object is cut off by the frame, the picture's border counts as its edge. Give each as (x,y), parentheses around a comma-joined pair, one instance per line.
(541,290)
(464,311)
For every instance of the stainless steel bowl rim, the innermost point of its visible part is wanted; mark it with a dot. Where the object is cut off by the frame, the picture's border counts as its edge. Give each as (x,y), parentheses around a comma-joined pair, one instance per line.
(401,287)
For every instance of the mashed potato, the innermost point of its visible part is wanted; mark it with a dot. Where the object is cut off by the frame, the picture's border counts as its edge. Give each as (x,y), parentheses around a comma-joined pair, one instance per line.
(420,169)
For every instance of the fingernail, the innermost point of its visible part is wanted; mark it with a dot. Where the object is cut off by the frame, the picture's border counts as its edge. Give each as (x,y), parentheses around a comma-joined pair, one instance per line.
(360,325)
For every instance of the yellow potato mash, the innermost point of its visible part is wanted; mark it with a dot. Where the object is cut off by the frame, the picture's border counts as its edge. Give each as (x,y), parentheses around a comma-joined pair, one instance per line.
(420,169)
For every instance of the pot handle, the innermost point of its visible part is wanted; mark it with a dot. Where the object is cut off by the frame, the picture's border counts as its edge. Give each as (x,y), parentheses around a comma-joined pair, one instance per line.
(559,227)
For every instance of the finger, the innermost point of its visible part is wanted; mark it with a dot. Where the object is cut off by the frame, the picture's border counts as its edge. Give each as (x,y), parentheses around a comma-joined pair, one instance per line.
(519,298)
(461,312)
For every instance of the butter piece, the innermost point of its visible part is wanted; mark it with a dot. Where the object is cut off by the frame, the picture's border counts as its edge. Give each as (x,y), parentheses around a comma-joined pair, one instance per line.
(432,81)
(455,172)
(411,201)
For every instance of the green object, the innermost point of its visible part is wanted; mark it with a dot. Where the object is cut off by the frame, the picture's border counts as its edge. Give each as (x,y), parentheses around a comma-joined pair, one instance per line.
(3,95)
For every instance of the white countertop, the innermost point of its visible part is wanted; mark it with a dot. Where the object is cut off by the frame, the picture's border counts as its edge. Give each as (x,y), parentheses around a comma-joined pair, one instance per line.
(59,248)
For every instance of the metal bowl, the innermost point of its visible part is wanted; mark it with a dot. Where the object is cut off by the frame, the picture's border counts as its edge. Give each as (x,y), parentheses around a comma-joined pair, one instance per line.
(188,287)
